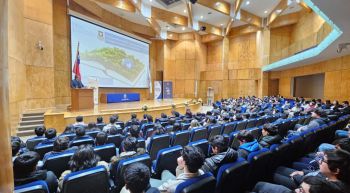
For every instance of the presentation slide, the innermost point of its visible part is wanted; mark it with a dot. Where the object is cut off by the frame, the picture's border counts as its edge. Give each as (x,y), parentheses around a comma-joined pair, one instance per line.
(111,58)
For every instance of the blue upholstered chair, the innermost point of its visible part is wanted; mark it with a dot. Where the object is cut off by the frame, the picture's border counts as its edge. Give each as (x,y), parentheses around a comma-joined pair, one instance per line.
(33,187)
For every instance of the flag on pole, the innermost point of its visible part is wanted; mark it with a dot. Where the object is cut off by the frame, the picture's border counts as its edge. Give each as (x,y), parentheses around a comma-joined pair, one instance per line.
(76,67)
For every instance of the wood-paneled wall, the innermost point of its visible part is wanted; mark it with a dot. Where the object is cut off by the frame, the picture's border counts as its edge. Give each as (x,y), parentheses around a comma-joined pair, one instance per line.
(337,77)
(6,174)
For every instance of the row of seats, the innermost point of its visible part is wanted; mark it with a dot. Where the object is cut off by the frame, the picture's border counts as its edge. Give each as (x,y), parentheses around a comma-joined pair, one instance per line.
(238,176)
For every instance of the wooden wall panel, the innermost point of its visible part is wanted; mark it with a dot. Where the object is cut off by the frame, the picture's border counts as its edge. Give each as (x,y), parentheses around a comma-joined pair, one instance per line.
(280,39)
(242,52)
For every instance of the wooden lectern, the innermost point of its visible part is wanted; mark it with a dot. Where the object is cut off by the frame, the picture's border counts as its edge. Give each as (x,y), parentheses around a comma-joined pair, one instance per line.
(82,99)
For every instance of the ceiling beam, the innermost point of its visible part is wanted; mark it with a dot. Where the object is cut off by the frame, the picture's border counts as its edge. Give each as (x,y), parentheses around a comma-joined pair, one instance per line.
(210,38)
(121,4)
(90,6)
(236,8)
(169,17)
(305,6)
(172,36)
(211,29)
(288,19)
(244,29)
(218,5)
(189,13)
(153,23)
(250,18)
(283,4)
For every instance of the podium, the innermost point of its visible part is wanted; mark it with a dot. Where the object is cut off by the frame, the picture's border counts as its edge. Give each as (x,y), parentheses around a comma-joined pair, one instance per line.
(82,99)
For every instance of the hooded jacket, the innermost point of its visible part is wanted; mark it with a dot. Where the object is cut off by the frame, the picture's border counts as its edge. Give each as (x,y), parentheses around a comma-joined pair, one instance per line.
(245,149)
(212,164)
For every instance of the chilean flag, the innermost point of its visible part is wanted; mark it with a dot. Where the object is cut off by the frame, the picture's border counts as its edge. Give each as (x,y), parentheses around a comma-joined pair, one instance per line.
(76,68)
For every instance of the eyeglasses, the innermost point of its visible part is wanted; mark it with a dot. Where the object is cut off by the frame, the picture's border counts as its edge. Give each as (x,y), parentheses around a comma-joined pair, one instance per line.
(322,159)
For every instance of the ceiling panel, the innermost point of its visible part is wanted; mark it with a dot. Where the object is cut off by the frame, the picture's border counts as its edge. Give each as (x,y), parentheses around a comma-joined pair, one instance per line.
(261,8)
(207,15)
(173,28)
(130,16)
(180,8)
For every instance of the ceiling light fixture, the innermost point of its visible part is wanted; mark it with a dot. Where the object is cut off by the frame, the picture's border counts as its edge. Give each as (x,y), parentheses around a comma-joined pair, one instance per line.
(265,12)
(183,28)
(279,10)
(247,3)
(202,16)
(217,4)
(150,0)
(185,11)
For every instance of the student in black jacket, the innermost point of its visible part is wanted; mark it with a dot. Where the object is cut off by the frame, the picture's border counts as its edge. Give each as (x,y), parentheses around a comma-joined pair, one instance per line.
(222,154)
(269,136)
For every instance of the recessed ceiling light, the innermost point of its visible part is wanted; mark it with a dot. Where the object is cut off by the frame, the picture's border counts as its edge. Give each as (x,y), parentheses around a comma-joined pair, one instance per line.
(185,11)
(183,28)
(265,11)
(222,24)
(217,4)
(279,10)
(150,0)
(167,27)
(247,3)
(202,16)
(171,35)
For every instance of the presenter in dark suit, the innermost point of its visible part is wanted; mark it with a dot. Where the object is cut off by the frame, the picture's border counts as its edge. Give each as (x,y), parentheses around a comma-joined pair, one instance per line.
(76,83)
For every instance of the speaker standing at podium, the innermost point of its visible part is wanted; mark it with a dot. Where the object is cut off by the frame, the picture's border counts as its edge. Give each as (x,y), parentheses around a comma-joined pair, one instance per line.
(76,83)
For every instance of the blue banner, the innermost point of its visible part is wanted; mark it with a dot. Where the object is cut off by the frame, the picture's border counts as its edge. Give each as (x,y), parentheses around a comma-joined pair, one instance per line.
(122,97)
(167,89)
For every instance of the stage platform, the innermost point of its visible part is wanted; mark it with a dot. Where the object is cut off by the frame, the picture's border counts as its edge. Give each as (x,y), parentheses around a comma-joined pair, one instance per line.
(59,117)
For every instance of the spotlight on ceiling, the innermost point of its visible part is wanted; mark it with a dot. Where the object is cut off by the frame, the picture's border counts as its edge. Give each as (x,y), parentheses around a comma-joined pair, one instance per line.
(193,1)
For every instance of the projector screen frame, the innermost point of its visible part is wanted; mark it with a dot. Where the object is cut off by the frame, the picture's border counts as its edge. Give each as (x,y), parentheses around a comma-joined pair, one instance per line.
(90,20)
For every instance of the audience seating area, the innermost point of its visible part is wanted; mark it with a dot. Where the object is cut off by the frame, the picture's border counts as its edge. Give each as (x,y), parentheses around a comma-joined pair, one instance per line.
(163,151)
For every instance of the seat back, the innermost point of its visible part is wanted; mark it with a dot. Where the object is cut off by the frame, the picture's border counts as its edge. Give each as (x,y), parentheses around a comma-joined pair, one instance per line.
(185,126)
(69,135)
(141,143)
(31,143)
(199,133)
(42,149)
(228,128)
(92,134)
(157,143)
(181,138)
(106,152)
(115,139)
(259,166)
(89,180)
(241,125)
(202,144)
(39,186)
(204,183)
(167,160)
(232,175)
(58,163)
(123,164)
(100,125)
(260,121)
(214,130)
(251,123)
(256,132)
(79,142)
(120,123)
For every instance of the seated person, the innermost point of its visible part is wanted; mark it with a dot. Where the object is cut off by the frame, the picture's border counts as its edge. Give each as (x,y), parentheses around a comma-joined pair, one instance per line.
(24,170)
(101,139)
(136,177)
(334,166)
(158,130)
(69,129)
(133,120)
(39,132)
(80,134)
(79,121)
(99,120)
(112,123)
(247,143)
(83,158)
(340,143)
(92,127)
(188,166)
(311,184)
(135,131)
(76,83)
(194,124)
(16,146)
(129,147)
(50,135)
(163,118)
(222,154)
(269,136)
(59,146)
(345,108)
(318,118)
(113,131)
(176,127)
(343,133)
